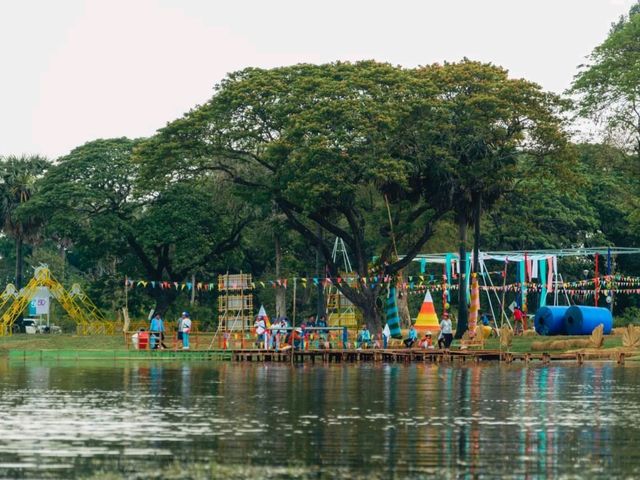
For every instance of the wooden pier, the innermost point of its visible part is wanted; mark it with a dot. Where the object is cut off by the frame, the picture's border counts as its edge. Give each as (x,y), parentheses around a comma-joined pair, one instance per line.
(325,356)
(415,356)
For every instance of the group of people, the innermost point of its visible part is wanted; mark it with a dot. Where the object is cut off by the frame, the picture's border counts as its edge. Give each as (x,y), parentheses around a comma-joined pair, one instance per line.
(157,331)
(445,335)
(281,334)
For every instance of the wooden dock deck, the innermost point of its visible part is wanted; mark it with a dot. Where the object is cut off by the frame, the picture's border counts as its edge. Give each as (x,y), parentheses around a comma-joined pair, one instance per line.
(323,356)
(416,356)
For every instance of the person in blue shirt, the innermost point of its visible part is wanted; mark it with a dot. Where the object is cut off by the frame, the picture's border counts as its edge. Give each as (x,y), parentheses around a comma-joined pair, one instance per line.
(156,330)
(413,337)
(364,337)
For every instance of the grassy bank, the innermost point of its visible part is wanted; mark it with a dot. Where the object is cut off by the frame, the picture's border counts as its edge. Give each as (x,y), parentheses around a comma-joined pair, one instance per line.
(61,342)
(101,342)
(523,344)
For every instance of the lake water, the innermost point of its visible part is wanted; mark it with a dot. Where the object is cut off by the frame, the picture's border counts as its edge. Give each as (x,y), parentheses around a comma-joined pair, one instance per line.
(205,420)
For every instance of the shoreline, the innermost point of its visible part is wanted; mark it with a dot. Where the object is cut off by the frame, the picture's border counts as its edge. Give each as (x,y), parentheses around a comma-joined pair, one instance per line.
(329,356)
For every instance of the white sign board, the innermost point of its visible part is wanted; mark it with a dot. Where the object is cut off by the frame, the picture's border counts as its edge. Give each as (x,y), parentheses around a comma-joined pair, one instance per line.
(42,301)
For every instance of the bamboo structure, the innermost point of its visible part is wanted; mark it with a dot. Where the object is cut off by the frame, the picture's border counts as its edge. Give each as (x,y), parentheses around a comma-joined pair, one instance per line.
(235,303)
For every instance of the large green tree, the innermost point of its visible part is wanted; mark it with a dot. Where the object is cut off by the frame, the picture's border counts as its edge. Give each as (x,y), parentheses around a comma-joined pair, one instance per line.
(18,177)
(90,202)
(606,86)
(317,141)
(491,120)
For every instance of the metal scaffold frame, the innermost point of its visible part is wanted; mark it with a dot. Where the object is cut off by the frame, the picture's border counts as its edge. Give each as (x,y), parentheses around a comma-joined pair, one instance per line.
(88,318)
(340,311)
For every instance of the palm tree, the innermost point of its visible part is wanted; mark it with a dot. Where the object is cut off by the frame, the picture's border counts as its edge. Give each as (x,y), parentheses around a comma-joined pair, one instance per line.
(18,176)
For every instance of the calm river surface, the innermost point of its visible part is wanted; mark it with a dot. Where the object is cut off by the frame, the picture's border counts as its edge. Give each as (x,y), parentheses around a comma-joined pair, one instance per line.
(207,420)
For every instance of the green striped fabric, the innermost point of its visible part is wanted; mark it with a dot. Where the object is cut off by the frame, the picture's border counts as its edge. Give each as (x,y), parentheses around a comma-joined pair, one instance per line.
(393,320)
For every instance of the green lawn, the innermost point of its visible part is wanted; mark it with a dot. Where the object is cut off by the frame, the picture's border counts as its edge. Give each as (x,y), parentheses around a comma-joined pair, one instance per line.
(523,344)
(23,341)
(116,342)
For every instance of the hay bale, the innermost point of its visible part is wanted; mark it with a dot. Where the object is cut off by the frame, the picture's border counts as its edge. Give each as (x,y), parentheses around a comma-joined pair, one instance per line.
(580,343)
(597,337)
(559,344)
(530,333)
(506,337)
(631,337)
(539,346)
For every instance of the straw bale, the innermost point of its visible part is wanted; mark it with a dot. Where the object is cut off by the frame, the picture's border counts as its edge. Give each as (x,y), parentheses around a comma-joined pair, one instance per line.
(506,337)
(631,337)
(597,337)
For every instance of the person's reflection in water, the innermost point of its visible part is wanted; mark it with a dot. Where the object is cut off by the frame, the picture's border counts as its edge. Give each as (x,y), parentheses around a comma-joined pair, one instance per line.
(186,385)
(463,412)
(155,374)
(391,400)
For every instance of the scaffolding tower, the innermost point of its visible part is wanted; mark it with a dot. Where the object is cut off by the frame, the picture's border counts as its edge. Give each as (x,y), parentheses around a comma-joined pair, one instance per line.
(340,311)
(235,302)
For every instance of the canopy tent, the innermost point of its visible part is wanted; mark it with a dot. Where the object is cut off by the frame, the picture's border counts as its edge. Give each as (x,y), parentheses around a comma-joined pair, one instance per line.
(530,264)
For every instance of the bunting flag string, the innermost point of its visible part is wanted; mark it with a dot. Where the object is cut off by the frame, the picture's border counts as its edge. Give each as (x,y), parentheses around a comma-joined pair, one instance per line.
(416,283)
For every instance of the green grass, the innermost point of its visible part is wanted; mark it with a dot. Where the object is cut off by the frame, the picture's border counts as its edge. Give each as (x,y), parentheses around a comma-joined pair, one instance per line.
(61,342)
(523,344)
(116,342)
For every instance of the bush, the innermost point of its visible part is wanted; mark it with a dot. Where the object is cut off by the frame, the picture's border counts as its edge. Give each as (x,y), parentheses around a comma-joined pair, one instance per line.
(631,316)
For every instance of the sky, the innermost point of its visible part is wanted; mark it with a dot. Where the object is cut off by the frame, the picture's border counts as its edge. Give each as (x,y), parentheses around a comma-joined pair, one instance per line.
(72,71)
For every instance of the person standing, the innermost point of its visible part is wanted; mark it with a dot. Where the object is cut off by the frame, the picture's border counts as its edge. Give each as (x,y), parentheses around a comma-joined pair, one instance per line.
(156,330)
(260,326)
(179,330)
(518,318)
(386,335)
(186,330)
(446,332)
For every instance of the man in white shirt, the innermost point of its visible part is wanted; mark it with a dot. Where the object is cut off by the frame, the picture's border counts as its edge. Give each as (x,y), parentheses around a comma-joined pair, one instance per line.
(260,327)
(186,330)
(446,332)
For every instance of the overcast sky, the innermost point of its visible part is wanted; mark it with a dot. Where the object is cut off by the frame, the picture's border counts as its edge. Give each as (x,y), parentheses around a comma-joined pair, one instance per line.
(76,70)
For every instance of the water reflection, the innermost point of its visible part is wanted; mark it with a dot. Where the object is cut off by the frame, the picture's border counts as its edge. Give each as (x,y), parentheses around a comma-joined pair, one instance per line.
(462,421)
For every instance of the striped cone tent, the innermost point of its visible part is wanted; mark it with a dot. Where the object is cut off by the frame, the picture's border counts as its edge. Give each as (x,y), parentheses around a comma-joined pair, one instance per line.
(393,319)
(427,320)
(475,303)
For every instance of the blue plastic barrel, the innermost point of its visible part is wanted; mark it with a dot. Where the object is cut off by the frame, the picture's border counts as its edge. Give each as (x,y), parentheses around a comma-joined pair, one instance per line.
(581,320)
(550,321)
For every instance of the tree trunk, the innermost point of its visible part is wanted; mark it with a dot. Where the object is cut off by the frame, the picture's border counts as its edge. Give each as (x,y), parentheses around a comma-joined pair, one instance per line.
(462,290)
(163,299)
(372,314)
(320,308)
(281,292)
(477,209)
(19,263)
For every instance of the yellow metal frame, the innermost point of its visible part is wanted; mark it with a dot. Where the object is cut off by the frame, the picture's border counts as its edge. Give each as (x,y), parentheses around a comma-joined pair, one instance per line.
(88,318)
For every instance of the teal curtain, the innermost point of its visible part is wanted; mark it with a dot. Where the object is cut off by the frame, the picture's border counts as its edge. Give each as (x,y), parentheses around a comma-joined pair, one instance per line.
(393,319)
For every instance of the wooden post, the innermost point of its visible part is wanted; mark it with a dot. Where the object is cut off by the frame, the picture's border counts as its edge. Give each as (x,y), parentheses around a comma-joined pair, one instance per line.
(126,295)
(293,315)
